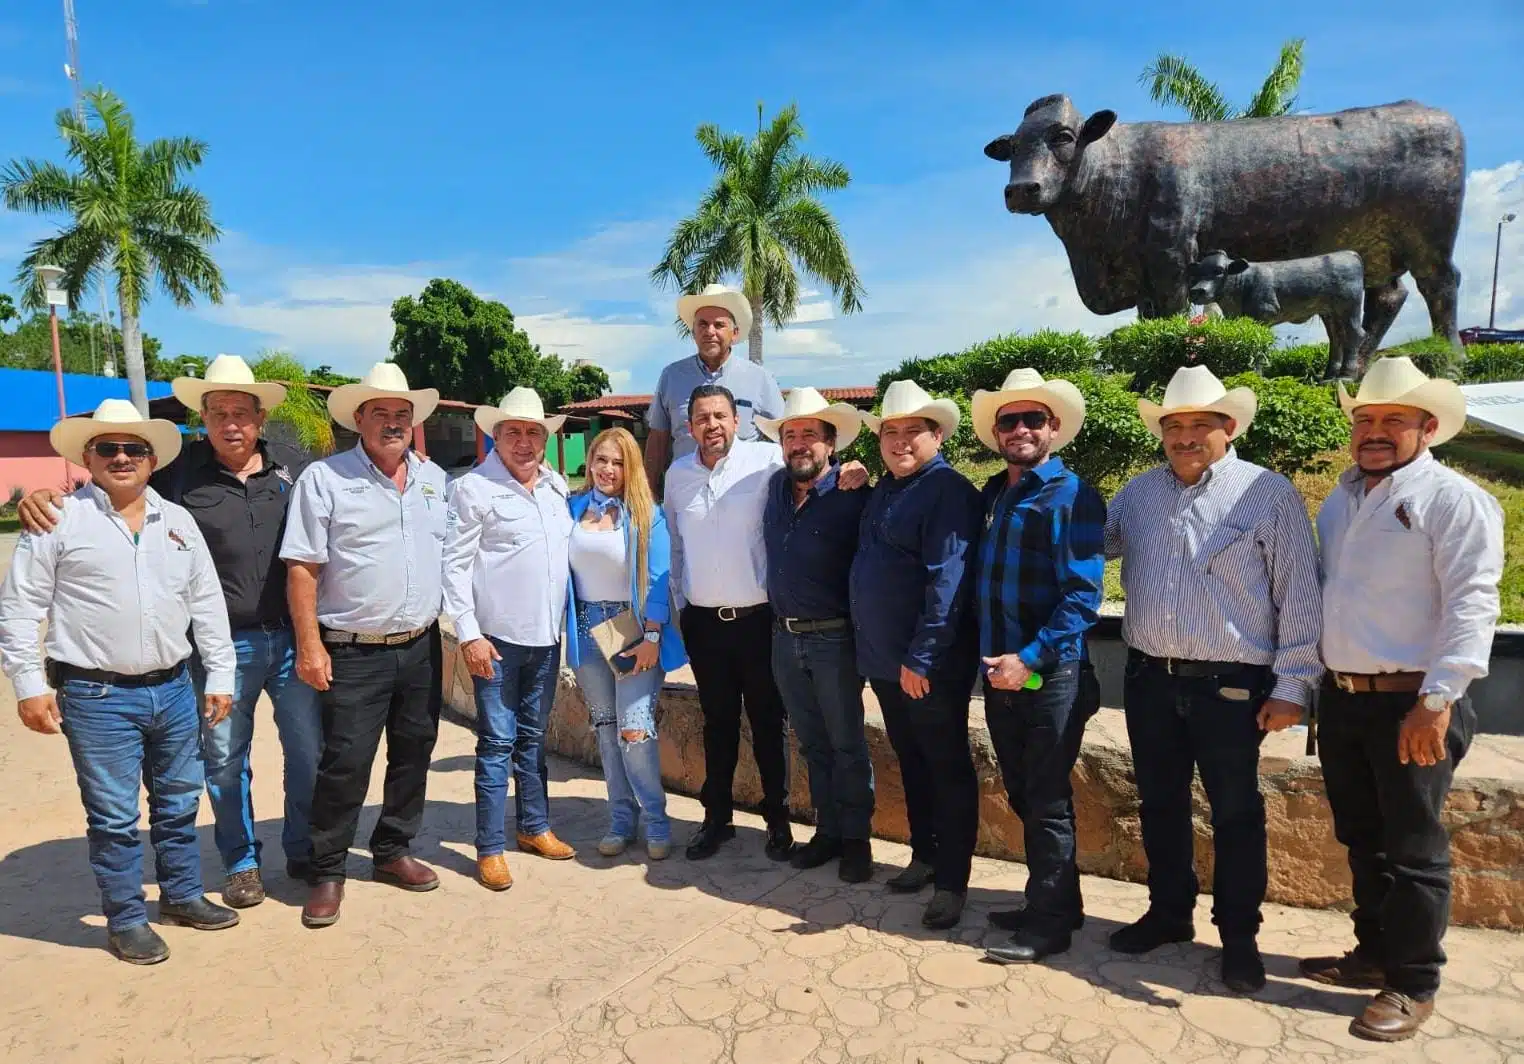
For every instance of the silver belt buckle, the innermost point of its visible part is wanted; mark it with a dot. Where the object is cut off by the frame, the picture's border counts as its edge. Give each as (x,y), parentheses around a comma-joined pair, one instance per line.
(720,613)
(1344,683)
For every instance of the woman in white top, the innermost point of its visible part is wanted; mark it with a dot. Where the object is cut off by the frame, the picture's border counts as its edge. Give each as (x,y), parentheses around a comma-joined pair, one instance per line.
(620,556)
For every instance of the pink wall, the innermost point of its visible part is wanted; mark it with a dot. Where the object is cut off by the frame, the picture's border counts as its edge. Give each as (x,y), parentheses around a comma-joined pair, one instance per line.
(27,461)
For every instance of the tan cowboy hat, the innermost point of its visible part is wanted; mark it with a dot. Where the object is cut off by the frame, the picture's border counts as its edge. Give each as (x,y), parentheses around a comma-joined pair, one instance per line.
(909,399)
(1196,390)
(521,404)
(717,295)
(1395,381)
(384,381)
(1059,396)
(807,402)
(72,435)
(227,373)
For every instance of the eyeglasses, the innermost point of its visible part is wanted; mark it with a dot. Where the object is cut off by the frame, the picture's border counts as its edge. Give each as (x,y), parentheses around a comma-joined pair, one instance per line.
(110,449)
(1032,419)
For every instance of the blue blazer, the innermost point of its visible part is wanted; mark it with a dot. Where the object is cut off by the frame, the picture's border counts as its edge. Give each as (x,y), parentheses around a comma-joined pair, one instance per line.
(658,603)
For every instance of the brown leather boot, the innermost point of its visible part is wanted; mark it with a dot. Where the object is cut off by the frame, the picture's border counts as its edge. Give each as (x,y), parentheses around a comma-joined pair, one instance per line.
(1391,1017)
(492,872)
(1352,970)
(322,908)
(546,845)
(409,873)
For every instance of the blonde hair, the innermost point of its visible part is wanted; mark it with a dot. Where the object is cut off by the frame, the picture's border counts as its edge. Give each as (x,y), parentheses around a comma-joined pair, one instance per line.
(638,502)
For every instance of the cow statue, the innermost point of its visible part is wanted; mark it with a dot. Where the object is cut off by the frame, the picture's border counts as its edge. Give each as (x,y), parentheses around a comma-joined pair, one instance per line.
(1329,286)
(1135,204)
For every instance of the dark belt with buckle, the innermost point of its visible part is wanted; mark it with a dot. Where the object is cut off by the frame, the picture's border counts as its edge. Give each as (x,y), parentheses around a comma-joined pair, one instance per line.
(1383,683)
(61,672)
(731,613)
(334,637)
(1189,669)
(798,626)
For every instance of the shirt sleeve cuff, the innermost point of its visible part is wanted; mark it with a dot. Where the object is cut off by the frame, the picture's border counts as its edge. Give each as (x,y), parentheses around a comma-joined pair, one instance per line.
(1292,689)
(30,684)
(219,682)
(466,629)
(1031,656)
(305,557)
(1445,682)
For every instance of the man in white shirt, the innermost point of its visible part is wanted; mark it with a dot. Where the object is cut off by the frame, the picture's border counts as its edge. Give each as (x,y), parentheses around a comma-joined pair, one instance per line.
(1412,554)
(121,581)
(363,553)
(505,575)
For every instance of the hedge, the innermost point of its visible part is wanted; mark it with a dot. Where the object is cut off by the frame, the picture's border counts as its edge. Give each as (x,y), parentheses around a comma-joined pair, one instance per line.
(1493,362)
(1152,350)
(1295,426)
(985,365)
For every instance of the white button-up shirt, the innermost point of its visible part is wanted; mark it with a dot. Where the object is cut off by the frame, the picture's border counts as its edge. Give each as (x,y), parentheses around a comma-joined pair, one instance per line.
(505,556)
(1410,575)
(380,549)
(111,604)
(719,557)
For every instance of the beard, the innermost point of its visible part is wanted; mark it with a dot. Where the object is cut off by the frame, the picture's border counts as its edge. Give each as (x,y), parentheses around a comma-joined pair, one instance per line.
(803,468)
(1025,454)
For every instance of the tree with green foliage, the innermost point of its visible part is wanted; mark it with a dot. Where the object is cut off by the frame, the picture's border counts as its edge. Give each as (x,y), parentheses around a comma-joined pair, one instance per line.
(759,218)
(305,412)
(133,222)
(7,309)
(325,375)
(1171,80)
(183,366)
(30,345)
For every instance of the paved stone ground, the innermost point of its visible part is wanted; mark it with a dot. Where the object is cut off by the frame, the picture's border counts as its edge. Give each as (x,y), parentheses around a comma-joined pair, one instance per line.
(616,959)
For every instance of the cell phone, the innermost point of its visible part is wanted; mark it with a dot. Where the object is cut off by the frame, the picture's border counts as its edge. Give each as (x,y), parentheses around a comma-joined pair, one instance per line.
(624,661)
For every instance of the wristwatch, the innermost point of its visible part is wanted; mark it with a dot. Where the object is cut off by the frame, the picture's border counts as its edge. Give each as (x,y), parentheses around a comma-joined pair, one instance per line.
(653,635)
(1434,701)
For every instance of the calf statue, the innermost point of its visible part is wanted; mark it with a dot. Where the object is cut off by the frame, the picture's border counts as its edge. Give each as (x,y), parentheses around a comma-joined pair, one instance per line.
(1135,204)
(1329,286)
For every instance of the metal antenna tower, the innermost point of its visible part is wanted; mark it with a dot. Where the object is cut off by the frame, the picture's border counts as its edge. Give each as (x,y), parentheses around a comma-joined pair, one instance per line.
(71,70)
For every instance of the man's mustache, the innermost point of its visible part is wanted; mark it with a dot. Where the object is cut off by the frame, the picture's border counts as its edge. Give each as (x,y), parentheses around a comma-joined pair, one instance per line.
(391,433)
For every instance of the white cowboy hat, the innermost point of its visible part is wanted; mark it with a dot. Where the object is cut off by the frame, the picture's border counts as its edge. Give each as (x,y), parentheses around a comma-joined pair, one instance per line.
(807,402)
(909,399)
(717,295)
(521,404)
(384,381)
(1196,390)
(72,435)
(227,373)
(1059,396)
(1395,381)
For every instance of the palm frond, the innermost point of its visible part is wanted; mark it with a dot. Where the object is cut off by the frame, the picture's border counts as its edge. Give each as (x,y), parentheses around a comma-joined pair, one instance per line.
(805,176)
(303,410)
(34,187)
(1174,82)
(726,151)
(809,233)
(1277,96)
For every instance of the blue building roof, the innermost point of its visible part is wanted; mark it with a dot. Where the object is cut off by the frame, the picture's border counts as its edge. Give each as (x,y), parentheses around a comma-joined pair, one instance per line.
(29,397)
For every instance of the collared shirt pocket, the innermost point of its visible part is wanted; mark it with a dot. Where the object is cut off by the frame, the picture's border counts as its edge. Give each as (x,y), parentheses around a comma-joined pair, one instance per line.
(180,545)
(1229,549)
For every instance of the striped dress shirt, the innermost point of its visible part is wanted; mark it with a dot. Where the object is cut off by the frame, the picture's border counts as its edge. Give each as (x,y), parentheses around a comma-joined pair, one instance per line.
(1221,570)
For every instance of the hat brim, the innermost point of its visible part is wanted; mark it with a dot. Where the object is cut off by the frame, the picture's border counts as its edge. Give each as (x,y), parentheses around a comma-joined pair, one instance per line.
(1059,396)
(190,390)
(733,303)
(72,435)
(1239,404)
(344,400)
(846,419)
(943,411)
(1441,398)
(488,418)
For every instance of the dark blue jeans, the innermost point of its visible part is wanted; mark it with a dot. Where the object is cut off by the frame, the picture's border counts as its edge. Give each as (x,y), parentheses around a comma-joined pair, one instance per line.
(1037,735)
(1176,724)
(512,710)
(123,738)
(823,694)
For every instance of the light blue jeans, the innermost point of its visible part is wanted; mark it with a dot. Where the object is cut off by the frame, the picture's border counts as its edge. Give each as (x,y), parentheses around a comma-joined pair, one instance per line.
(266,662)
(618,704)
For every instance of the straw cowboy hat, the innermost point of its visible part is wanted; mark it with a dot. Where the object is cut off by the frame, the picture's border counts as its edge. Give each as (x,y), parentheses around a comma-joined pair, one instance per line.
(1395,381)
(521,404)
(717,295)
(1059,396)
(227,373)
(909,399)
(384,381)
(72,435)
(1196,390)
(807,402)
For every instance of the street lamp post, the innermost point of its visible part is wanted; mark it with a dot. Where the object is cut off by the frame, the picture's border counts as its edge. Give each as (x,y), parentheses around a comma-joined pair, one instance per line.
(1497,255)
(56,297)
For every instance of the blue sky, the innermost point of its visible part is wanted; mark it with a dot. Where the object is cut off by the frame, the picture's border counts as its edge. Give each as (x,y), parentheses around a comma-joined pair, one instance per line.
(541,155)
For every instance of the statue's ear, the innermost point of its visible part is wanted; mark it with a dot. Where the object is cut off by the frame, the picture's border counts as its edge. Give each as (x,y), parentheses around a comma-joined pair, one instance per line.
(1237,266)
(1097,126)
(999,149)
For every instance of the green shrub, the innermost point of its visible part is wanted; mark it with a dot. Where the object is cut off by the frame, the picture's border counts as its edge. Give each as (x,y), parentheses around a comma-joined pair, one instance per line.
(1113,444)
(985,364)
(1153,349)
(1493,362)
(1304,362)
(1432,354)
(1296,425)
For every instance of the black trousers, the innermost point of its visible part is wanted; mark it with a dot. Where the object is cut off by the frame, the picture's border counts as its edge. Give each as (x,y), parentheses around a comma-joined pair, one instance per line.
(930,740)
(1037,736)
(732,665)
(375,690)
(1388,816)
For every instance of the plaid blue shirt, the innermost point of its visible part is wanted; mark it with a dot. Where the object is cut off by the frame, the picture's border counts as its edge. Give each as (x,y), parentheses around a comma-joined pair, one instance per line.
(1040,565)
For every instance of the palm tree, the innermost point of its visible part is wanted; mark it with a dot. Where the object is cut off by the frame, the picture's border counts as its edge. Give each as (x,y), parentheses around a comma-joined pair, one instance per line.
(133,222)
(1173,81)
(305,412)
(758,219)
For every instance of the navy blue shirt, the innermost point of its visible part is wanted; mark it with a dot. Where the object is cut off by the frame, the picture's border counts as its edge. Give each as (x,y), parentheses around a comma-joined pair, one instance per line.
(810,549)
(912,576)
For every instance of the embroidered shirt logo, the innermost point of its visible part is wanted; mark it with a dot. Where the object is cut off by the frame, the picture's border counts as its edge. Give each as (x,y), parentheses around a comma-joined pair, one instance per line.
(1402,515)
(284,474)
(178,540)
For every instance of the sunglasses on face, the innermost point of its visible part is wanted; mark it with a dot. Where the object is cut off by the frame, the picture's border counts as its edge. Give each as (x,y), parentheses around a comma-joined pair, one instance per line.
(136,451)
(1032,419)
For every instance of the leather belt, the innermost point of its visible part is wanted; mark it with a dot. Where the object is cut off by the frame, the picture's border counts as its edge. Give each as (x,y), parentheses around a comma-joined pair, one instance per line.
(1188,669)
(334,637)
(732,613)
(62,672)
(1359,683)
(798,626)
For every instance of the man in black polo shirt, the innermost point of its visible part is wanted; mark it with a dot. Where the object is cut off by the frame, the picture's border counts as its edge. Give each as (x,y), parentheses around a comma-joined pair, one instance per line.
(237,487)
(810,529)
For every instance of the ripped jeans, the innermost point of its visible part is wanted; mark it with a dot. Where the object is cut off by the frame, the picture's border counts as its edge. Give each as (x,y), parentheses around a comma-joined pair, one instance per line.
(619,704)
